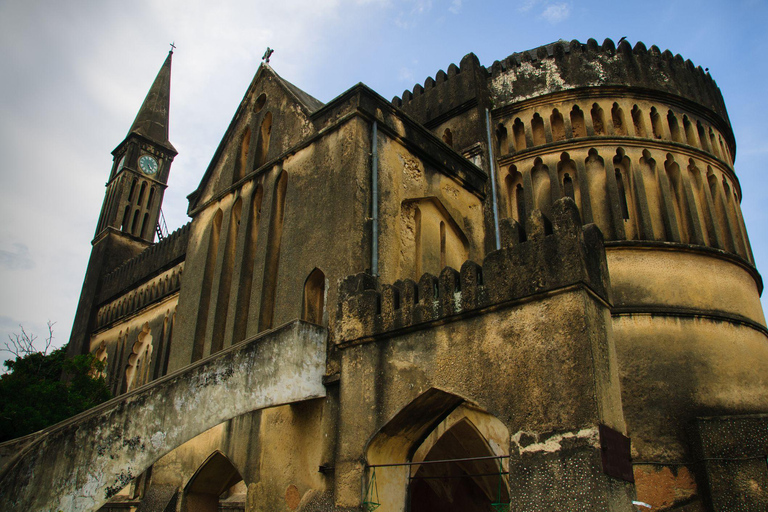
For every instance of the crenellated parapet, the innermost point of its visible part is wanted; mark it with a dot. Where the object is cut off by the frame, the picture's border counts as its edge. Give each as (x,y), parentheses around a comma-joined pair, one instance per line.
(446,91)
(571,65)
(150,262)
(545,255)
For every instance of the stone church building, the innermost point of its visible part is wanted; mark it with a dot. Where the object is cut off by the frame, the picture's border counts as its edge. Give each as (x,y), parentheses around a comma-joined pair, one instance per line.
(527,287)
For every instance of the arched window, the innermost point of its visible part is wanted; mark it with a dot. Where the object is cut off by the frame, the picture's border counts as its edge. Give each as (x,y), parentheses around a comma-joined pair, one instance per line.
(448,137)
(313,307)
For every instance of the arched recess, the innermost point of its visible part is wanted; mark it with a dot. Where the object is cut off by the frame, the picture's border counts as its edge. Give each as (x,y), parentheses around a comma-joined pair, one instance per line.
(313,303)
(515,195)
(214,480)
(577,122)
(558,125)
(225,278)
(466,486)
(139,361)
(448,137)
(617,117)
(597,189)
(100,355)
(432,247)
(262,143)
(242,156)
(679,201)
(651,189)
(501,137)
(598,119)
(537,130)
(205,293)
(542,188)
(274,239)
(246,272)
(518,132)
(437,426)
(569,180)
(638,122)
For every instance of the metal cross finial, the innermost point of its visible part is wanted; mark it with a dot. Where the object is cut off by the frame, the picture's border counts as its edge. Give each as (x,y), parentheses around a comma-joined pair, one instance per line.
(267,54)
(173,46)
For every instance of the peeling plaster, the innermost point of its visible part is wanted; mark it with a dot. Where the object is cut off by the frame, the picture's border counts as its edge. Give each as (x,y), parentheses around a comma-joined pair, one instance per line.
(554,443)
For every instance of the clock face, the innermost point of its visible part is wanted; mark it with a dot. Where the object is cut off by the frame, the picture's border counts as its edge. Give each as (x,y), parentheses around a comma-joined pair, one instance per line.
(148,164)
(121,164)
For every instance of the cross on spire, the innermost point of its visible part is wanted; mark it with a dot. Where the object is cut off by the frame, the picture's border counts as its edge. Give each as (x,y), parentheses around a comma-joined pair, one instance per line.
(173,46)
(267,54)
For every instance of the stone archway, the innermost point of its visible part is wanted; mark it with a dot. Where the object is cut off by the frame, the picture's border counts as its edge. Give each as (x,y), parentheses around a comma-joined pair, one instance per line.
(435,426)
(470,484)
(215,477)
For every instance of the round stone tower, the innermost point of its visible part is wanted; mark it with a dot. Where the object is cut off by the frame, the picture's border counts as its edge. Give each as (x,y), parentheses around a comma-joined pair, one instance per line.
(641,140)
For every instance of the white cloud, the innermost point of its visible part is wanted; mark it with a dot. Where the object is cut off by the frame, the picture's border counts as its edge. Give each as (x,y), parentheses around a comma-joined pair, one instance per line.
(18,259)
(555,13)
(406,75)
(527,5)
(455,7)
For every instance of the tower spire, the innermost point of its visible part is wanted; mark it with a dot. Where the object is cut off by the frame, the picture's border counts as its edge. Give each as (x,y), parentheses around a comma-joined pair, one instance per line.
(152,120)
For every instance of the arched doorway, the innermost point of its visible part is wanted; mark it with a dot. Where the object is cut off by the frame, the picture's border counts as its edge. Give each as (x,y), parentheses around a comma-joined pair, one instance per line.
(472,481)
(217,480)
(403,472)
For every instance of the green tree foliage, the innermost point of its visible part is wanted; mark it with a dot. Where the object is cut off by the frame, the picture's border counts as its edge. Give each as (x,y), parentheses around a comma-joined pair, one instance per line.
(33,394)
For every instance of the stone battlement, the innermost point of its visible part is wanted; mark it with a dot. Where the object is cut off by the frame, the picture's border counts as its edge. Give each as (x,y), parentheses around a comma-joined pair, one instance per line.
(547,255)
(570,65)
(446,92)
(155,258)
(559,66)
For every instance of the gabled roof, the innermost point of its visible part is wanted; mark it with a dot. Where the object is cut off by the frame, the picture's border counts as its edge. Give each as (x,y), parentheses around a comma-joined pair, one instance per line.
(152,120)
(307,102)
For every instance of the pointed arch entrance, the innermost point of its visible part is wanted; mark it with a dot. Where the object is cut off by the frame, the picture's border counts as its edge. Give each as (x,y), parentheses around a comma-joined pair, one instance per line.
(215,479)
(471,482)
(438,426)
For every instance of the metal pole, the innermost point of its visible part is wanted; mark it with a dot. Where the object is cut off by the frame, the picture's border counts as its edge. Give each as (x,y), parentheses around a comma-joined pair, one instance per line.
(444,461)
(375,200)
(493,180)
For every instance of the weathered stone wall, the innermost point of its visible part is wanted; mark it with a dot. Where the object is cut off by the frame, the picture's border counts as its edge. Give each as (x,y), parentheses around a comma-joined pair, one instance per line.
(526,337)
(100,451)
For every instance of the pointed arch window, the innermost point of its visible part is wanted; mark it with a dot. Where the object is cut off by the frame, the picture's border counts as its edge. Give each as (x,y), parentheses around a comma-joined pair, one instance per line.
(313,307)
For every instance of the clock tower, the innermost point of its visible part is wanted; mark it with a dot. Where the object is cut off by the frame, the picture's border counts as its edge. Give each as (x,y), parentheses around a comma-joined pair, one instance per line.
(141,166)
(131,208)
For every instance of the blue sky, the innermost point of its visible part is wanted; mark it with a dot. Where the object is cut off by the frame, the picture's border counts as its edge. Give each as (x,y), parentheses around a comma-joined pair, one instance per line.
(73,74)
